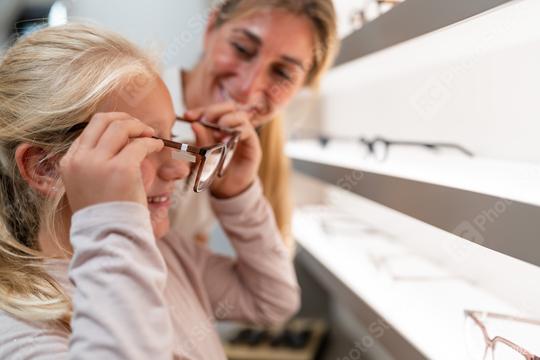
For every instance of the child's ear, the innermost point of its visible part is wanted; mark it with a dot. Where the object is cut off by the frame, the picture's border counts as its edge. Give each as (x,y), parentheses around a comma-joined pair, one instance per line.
(36,169)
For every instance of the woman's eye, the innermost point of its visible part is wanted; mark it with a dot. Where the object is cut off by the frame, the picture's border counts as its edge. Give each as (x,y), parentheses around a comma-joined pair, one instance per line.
(283,73)
(241,50)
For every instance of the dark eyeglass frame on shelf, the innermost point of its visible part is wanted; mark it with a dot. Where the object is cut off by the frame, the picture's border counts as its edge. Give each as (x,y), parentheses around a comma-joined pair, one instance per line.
(358,18)
(372,144)
(491,343)
(200,155)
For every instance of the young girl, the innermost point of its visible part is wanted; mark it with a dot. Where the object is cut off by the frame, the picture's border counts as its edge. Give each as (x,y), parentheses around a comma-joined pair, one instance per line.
(88,268)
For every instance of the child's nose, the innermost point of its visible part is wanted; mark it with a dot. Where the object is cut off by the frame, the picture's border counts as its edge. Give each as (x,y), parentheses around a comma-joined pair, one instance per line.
(173,169)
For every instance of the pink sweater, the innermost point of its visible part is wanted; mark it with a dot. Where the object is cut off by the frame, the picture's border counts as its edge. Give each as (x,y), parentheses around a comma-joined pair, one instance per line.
(138,298)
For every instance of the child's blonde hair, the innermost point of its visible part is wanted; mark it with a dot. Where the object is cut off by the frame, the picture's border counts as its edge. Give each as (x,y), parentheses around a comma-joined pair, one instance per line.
(49,81)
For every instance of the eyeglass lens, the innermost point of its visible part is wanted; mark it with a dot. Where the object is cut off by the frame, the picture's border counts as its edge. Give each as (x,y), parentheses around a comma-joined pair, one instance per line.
(209,168)
(231,148)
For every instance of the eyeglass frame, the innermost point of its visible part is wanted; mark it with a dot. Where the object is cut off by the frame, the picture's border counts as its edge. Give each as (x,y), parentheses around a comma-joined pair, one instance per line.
(431,146)
(198,152)
(490,343)
(324,140)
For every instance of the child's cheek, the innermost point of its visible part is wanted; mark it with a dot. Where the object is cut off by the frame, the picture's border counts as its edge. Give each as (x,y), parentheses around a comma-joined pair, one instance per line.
(148,171)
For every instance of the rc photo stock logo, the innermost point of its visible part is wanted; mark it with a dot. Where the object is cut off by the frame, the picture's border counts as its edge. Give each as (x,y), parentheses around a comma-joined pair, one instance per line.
(474,230)
(137,89)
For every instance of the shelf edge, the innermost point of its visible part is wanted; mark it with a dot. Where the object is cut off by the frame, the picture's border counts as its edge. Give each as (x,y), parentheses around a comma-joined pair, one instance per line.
(407,21)
(499,224)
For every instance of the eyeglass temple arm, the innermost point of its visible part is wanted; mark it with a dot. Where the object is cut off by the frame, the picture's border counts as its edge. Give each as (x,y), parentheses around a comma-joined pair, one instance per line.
(184,151)
(504,317)
(209,125)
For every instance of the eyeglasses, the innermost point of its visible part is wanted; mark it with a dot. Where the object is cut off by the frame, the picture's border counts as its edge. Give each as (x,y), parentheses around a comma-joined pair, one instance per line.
(379,147)
(370,11)
(500,348)
(211,161)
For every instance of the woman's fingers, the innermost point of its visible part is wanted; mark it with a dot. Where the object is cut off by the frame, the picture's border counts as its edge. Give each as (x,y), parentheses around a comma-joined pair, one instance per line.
(226,115)
(239,121)
(216,112)
(119,133)
(211,113)
(203,135)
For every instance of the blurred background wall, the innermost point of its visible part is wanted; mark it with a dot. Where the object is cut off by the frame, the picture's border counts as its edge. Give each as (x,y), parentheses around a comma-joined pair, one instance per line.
(171,28)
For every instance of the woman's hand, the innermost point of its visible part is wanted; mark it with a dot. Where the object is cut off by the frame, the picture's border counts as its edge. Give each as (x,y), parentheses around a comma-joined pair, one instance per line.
(104,163)
(243,168)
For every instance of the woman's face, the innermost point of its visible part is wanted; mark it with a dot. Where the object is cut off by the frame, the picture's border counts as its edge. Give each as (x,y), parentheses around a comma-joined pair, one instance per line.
(159,170)
(259,61)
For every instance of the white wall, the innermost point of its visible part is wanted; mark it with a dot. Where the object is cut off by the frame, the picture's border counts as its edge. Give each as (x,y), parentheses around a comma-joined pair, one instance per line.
(476,83)
(9,9)
(173,28)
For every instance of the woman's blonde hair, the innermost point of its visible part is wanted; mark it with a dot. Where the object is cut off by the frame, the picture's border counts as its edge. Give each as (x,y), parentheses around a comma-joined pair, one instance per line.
(49,81)
(275,168)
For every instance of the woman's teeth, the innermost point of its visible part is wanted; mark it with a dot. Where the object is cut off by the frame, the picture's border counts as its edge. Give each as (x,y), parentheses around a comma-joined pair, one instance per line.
(157,199)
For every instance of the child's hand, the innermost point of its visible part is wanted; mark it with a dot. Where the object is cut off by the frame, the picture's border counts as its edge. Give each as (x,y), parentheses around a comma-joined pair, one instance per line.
(242,170)
(104,163)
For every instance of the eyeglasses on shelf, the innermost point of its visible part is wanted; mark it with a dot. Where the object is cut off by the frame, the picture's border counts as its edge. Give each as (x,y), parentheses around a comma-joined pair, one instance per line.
(370,11)
(379,147)
(480,344)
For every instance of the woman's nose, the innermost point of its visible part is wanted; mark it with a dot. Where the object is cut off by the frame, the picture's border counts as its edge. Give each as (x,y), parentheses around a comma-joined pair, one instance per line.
(250,83)
(173,169)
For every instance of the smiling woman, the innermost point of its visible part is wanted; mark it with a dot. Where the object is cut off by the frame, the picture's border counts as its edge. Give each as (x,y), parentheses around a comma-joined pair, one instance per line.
(258,55)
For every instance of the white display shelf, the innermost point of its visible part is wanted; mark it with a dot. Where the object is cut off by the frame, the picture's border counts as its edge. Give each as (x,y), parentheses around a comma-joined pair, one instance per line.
(422,303)
(448,190)
(514,181)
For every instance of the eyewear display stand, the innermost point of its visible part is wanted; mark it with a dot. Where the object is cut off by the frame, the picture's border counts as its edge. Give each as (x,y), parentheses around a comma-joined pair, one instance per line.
(422,319)
(453,211)
(409,20)
(475,220)
(490,203)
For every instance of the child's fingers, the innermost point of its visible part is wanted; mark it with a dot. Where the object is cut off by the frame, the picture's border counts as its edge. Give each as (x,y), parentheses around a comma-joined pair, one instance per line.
(119,133)
(97,125)
(138,149)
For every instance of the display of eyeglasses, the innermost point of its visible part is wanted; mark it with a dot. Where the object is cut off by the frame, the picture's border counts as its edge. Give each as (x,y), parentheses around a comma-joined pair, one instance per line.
(431,188)
(432,178)
(421,301)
